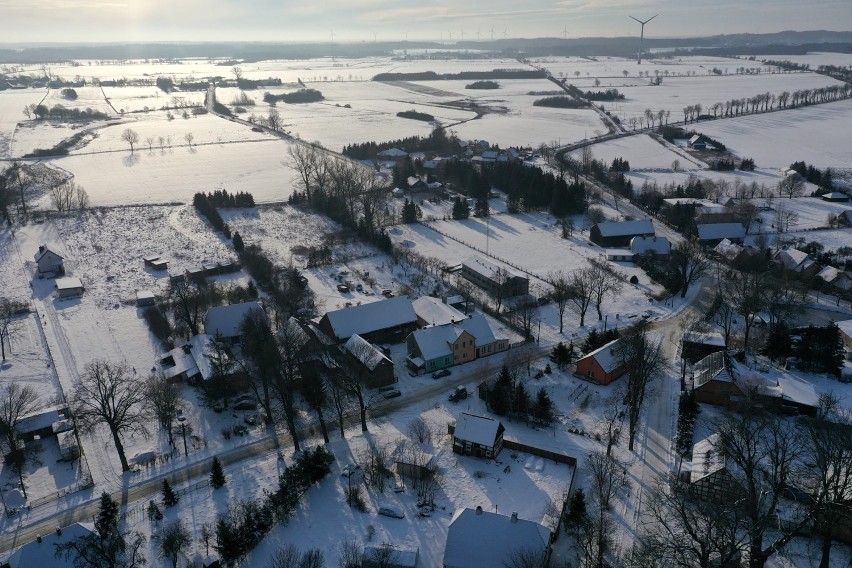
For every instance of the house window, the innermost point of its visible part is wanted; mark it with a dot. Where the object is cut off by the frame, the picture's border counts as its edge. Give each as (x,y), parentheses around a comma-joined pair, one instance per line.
(487,453)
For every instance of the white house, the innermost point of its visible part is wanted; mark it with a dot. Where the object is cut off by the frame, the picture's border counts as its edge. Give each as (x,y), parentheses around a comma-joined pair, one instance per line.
(48,261)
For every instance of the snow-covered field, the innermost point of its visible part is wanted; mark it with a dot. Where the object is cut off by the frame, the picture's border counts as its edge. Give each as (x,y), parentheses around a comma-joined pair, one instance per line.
(643,153)
(134,99)
(533,127)
(592,67)
(12,103)
(816,135)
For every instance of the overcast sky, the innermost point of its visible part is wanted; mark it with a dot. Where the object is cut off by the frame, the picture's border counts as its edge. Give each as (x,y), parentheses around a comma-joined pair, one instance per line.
(358,20)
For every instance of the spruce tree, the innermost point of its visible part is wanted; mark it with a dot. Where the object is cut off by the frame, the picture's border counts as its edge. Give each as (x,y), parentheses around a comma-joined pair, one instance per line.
(543,407)
(217,474)
(106,523)
(501,394)
(237,240)
(170,498)
(576,514)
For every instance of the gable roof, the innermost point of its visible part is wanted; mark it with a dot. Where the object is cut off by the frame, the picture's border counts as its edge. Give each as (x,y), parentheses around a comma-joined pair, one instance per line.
(728,249)
(43,553)
(606,356)
(367,318)
(367,353)
(657,245)
(43,250)
(626,228)
(713,231)
(226,320)
(479,538)
(794,259)
(41,419)
(705,459)
(393,153)
(488,269)
(434,342)
(435,312)
(477,429)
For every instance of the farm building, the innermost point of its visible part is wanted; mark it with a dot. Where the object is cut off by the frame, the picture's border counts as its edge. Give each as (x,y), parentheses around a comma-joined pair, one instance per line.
(369,362)
(48,261)
(657,246)
(836,278)
(42,551)
(696,345)
(434,311)
(794,260)
(44,423)
(711,234)
(478,538)
(614,234)
(145,298)
(845,328)
(710,477)
(225,321)
(603,365)
(196,360)
(496,280)
(388,320)
(478,436)
(68,287)
(835,197)
(619,254)
(697,142)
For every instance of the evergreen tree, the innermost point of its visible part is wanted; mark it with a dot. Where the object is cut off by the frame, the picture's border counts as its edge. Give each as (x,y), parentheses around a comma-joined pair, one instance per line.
(521,399)
(229,544)
(560,355)
(576,514)
(543,408)
(481,208)
(217,474)
(778,344)
(461,210)
(237,240)
(411,212)
(500,396)
(170,498)
(252,290)
(106,523)
(154,513)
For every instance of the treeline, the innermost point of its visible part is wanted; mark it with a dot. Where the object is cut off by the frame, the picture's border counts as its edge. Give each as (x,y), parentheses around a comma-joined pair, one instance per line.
(437,142)
(608,95)
(168,85)
(207,203)
(414,115)
(823,178)
(296,97)
(59,112)
(221,198)
(526,187)
(559,102)
(508,396)
(464,75)
(816,349)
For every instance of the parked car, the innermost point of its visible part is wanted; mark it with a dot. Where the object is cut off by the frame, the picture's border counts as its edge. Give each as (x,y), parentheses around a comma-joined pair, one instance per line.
(391,394)
(393,513)
(387,293)
(342,288)
(441,374)
(459,394)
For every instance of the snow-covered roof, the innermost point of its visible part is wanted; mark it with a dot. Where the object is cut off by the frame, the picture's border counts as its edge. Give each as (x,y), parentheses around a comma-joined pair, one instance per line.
(458,299)
(477,429)
(370,317)
(728,249)
(370,355)
(829,274)
(41,419)
(713,231)
(434,342)
(657,245)
(477,325)
(43,553)
(44,250)
(696,138)
(68,283)
(671,201)
(835,196)
(226,320)
(488,269)
(845,326)
(705,338)
(797,390)
(393,153)
(435,312)
(606,356)
(705,458)
(145,295)
(415,181)
(478,538)
(626,228)
(401,558)
(794,259)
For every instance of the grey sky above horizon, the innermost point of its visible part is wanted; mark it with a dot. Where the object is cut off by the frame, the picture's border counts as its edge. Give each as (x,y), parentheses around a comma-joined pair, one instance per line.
(388,20)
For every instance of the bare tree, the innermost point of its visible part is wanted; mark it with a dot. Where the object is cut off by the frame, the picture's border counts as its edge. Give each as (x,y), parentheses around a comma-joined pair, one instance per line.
(10,325)
(68,195)
(691,262)
(526,558)
(339,400)
(608,475)
(314,390)
(746,293)
(166,403)
(131,137)
(613,418)
(785,218)
(604,282)
(525,316)
(688,532)
(188,302)
(643,361)
(238,73)
(273,119)
(581,292)
(760,449)
(150,141)
(304,160)
(189,137)
(561,293)
(793,185)
(15,401)
(173,539)
(105,393)
(351,554)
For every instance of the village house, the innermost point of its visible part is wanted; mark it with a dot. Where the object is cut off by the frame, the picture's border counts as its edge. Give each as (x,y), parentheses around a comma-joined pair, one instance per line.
(44,423)
(478,538)
(388,321)
(369,362)
(711,234)
(42,551)
(477,436)
(710,477)
(145,298)
(434,311)
(225,322)
(696,345)
(603,365)
(196,360)
(836,278)
(794,260)
(48,261)
(440,346)
(68,287)
(657,246)
(697,142)
(835,197)
(494,279)
(613,234)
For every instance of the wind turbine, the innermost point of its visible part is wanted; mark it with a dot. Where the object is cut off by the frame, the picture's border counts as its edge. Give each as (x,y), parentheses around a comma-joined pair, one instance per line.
(332,35)
(477,33)
(492,33)
(450,34)
(406,35)
(642,34)
(506,31)
(375,37)
(565,32)
(462,34)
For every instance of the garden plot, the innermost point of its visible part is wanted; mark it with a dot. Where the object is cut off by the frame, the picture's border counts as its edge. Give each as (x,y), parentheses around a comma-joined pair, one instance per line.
(28,362)
(817,135)
(12,103)
(642,151)
(135,99)
(175,174)
(105,248)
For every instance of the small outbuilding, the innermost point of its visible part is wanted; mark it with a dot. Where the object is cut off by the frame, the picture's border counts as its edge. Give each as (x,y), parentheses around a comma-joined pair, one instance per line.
(835,197)
(68,287)
(145,298)
(603,365)
(225,321)
(478,436)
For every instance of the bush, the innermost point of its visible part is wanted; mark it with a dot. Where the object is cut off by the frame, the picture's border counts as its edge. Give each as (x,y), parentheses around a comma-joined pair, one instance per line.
(559,102)
(483,85)
(414,115)
(158,323)
(297,97)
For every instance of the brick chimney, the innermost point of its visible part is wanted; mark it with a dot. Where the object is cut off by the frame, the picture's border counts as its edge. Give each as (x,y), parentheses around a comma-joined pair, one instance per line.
(514,517)
(478,509)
